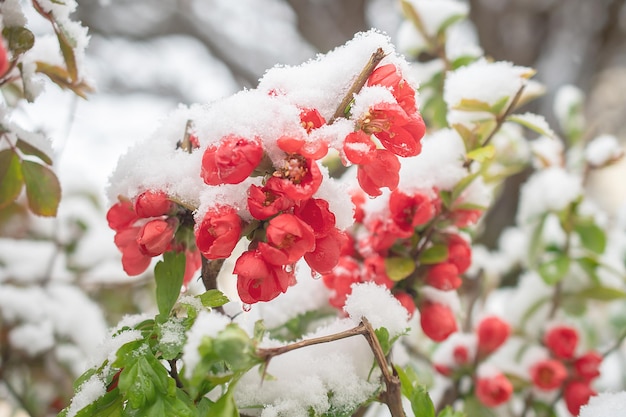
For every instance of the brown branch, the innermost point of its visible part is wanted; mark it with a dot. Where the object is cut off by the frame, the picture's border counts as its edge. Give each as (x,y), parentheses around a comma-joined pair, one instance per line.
(500,119)
(358,83)
(174,373)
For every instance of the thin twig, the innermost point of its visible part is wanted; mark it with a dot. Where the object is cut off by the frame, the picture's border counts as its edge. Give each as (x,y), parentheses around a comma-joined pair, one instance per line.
(174,373)
(358,83)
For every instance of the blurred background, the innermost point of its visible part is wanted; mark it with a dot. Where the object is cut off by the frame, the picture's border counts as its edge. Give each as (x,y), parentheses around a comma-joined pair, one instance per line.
(147,56)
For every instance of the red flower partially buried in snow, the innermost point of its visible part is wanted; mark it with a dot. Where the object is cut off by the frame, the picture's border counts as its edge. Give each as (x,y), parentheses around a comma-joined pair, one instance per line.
(381,171)
(232,161)
(397,131)
(389,76)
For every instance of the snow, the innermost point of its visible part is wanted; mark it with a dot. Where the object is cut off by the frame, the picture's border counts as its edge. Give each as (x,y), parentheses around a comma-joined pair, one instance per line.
(434,13)
(568,102)
(11,13)
(88,392)
(605,404)
(602,150)
(302,379)
(32,338)
(381,309)
(207,324)
(484,81)
(547,152)
(551,189)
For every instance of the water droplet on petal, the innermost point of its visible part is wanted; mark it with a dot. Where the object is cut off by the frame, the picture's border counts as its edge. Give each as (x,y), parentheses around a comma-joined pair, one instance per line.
(315,275)
(246,307)
(289,269)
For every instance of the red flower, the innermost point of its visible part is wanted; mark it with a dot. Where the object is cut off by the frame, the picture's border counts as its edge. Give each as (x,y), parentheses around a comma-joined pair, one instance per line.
(298,178)
(443,276)
(327,251)
(359,147)
(155,237)
(152,204)
(409,211)
(358,199)
(465,217)
(218,233)
(562,341)
(134,261)
(192,264)
(376,271)
(264,203)
(494,390)
(397,131)
(5,63)
(437,321)
(311,150)
(459,253)
(587,366)
(121,215)
(340,280)
(288,239)
(461,355)
(316,213)
(577,394)
(406,301)
(258,280)
(492,332)
(548,374)
(232,161)
(381,171)
(388,76)
(311,119)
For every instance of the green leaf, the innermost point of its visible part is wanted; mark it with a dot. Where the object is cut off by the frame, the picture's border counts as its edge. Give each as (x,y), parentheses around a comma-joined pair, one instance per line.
(463,184)
(554,270)
(382,334)
(109,405)
(11,178)
(533,122)
(224,407)
(482,154)
(67,49)
(462,61)
(470,104)
(213,298)
(19,39)
(590,266)
(466,134)
(421,404)
(399,268)
(168,274)
(592,236)
(42,188)
(450,21)
(434,255)
(29,149)
(602,293)
(450,412)
(234,346)
(474,408)
(499,105)
(446,198)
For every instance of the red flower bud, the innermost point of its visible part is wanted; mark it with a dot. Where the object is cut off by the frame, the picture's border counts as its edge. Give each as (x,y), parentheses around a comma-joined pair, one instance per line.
(437,321)
(562,341)
(443,276)
(548,374)
(459,253)
(324,257)
(406,301)
(577,394)
(232,161)
(258,280)
(492,333)
(494,390)
(155,237)
(587,366)
(5,63)
(152,204)
(219,232)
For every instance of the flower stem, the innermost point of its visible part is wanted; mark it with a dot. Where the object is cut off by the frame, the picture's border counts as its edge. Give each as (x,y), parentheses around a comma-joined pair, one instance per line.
(358,83)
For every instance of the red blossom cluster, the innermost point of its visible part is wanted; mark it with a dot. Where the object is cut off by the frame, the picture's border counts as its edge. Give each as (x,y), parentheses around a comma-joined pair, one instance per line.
(565,370)
(464,355)
(409,224)
(148,227)
(289,222)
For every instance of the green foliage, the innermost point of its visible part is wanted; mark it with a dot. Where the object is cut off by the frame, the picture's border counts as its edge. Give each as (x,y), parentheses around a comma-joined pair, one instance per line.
(554,270)
(398,268)
(19,39)
(474,408)
(168,274)
(421,404)
(11,177)
(434,254)
(213,298)
(42,188)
